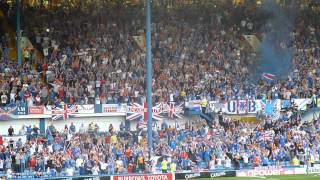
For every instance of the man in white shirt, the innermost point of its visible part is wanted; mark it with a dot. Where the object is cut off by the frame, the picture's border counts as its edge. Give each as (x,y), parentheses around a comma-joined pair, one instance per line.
(1,165)
(245,159)
(9,173)
(103,166)
(227,163)
(70,171)
(212,164)
(219,162)
(119,165)
(95,170)
(79,162)
(82,129)
(12,96)
(4,99)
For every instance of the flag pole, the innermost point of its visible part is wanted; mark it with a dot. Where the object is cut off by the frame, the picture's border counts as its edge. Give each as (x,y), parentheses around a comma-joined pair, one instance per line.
(18,34)
(149,73)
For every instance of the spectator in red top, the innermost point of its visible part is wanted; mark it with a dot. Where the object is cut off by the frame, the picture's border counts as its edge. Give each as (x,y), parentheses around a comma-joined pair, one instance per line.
(44,67)
(130,167)
(61,93)
(108,139)
(184,155)
(26,95)
(32,162)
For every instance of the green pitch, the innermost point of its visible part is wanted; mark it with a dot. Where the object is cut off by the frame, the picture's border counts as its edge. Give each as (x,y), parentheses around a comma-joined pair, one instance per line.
(288,177)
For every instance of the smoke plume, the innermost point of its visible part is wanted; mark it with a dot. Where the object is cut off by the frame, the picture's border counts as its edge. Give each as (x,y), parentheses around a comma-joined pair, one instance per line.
(275,50)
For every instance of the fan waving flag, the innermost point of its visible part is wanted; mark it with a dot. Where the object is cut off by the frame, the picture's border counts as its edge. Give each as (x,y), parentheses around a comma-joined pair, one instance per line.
(172,110)
(266,136)
(64,112)
(269,76)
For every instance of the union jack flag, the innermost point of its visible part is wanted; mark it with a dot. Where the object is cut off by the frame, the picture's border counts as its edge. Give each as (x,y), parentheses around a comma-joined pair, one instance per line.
(173,111)
(63,113)
(266,136)
(140,111)
(142,123)
(6,114)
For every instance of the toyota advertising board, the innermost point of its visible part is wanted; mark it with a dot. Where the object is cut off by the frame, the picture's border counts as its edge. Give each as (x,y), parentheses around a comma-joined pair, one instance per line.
(145,177)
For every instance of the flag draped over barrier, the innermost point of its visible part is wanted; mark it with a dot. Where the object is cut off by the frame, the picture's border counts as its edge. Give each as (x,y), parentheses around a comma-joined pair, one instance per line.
(5,114)
(64,112)
(135,111)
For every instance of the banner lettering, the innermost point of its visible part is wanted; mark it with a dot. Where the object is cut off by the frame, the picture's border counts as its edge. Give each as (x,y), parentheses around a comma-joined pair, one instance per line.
(36,110)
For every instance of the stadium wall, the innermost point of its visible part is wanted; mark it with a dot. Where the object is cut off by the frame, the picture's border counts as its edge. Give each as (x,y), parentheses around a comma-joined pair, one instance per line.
(17,124)
(102,121)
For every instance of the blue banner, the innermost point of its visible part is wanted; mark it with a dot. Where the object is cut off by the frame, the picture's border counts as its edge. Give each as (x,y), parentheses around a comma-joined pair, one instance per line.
(98,108)
(21,110)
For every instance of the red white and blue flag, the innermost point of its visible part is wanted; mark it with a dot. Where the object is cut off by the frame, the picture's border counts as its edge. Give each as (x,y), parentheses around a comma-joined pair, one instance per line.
(64,112)
(172,110)
(266,136)
(269,76)
(135,111)
(142,123)
(141,111)
(6,114)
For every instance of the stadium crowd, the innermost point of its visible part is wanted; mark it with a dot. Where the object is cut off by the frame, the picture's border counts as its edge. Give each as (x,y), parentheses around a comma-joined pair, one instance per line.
(191,146)
(90,56)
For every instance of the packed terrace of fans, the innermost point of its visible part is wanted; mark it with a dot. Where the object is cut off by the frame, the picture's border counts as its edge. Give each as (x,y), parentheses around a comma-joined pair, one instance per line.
(228,144)
(198,52)
(195,53)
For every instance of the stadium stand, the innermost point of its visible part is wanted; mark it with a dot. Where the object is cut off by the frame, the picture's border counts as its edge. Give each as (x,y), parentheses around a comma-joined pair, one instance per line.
(92,55)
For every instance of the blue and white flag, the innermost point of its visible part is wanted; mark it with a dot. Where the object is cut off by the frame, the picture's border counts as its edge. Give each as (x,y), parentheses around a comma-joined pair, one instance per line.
(271,108)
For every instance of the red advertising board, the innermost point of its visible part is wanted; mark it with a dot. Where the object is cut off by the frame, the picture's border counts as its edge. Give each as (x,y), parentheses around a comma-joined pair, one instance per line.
(36,110)
(110,108)
(145,177)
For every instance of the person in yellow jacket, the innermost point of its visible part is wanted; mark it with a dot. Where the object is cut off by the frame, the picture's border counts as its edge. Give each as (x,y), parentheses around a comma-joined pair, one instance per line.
(164,166)
(26,55)
(113,139)
(173,167)
(295,161)
(312,160)
(204,103)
